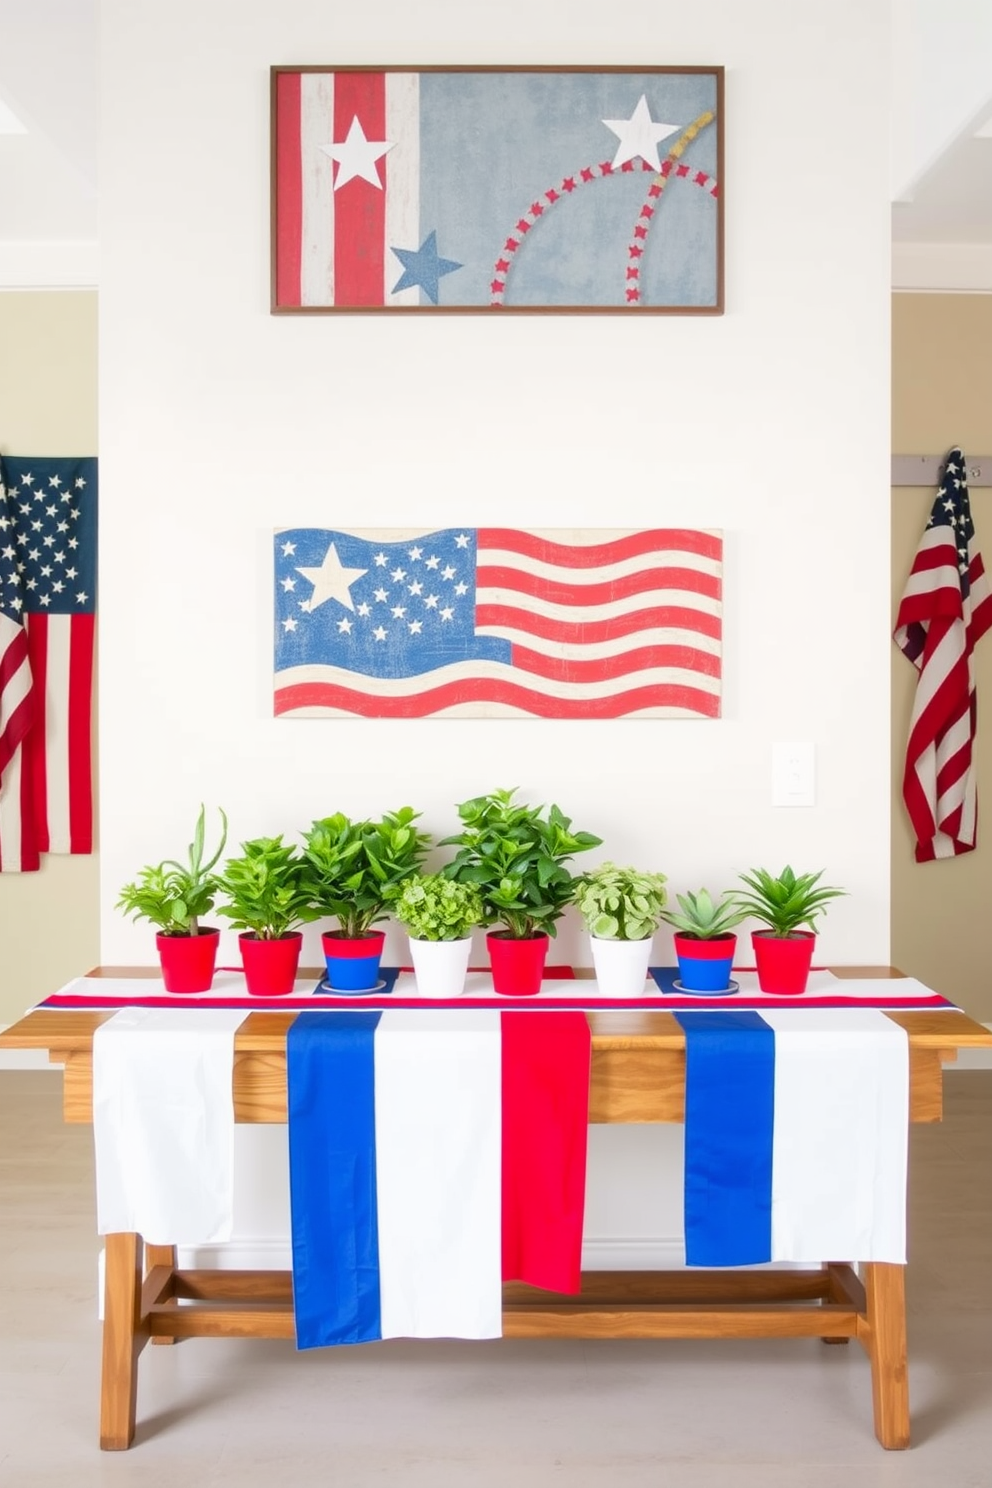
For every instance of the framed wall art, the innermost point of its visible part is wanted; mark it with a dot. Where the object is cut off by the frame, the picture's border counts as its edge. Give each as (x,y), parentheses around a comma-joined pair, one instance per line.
(496,622)
(497,189)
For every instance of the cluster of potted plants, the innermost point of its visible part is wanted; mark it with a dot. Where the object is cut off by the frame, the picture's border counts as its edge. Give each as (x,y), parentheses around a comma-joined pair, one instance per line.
(509,874)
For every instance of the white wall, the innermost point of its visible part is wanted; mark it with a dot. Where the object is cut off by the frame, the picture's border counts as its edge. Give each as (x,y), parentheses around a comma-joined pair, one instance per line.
(941,82)
(220,422)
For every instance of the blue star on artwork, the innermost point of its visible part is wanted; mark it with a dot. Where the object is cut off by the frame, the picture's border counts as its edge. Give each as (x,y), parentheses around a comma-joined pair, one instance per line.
(422,268)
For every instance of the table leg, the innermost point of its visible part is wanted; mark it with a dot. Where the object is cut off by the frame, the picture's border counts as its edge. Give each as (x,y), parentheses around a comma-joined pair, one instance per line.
(161,1255)
(885,1292)
(123,1340)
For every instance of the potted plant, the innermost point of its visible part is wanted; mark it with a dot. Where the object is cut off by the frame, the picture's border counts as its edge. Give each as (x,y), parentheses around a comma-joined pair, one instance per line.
(173,896)
(439,914)
(514,855)
(784,951)
(266,902)
(353,870)
(704,939)
(621,908)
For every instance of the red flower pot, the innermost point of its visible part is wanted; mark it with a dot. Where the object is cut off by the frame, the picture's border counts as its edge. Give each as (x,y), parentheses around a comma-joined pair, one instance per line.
(270,965)
(517,965)
(783,961)
(188,960)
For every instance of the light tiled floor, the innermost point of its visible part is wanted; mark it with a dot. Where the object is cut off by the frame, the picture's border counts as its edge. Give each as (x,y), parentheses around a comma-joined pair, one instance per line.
(215,1414)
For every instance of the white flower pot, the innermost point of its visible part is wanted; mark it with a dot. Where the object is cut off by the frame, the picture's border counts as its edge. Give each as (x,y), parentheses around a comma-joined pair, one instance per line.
(621,966)
(440,966)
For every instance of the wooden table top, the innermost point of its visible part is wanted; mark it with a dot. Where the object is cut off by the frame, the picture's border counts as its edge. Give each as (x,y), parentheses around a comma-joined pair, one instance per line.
(63,1031)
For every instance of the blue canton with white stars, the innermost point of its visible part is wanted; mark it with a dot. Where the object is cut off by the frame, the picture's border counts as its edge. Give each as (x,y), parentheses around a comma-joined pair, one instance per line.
(952,509)
(48,527)
(379,609)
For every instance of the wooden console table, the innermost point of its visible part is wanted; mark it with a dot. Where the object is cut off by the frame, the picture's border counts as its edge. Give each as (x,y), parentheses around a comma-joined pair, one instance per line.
(638,1075)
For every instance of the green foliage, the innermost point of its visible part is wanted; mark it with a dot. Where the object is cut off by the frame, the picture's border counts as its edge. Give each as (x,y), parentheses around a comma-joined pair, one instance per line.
(354,870)
(514,856)
(787,902)
(174,895)
(433,907)
(264,889)
(703,917)
(620,903)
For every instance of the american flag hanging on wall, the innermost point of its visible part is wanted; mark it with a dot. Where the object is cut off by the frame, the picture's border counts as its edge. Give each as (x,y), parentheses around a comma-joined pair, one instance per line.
(491,622)
(48,520)
(945,609)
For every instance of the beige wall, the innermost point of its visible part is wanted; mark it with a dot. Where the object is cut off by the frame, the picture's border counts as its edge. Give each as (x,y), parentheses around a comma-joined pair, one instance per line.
(49,927)
(941,396)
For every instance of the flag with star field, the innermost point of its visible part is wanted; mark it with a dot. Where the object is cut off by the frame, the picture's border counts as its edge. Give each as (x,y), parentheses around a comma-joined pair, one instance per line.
(490,621)
(48,529)
(484,189)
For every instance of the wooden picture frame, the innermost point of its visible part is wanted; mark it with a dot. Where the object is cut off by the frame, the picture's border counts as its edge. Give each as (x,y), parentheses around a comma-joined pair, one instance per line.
(518,189)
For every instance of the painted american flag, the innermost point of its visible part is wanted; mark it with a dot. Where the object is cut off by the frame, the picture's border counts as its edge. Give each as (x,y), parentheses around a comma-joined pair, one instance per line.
(48,524)
(489,189)
(946,608)
(493,621)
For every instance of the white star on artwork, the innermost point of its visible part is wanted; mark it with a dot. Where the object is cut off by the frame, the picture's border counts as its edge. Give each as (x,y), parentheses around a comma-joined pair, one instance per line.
(289,585)
(462,541)
(80,481)
(289,624)
(431,601)
(433,561)
(55,480)
(398,611)
(288,549)
(639,136)
(332,580)
(26,480)
(448,572)
(357,156)
(416,587)
(344,626)
(416,626)
(81,598)
(379,633)
(415,554)
(381,595)
(363,609)
(398,575)
(380,560)
(447,612)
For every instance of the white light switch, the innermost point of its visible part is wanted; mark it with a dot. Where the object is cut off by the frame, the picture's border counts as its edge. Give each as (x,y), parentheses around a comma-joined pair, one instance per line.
(793,774)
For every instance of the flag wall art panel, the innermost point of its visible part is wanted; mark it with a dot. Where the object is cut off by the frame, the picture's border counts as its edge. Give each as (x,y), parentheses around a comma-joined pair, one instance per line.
(472,189)
(490,622)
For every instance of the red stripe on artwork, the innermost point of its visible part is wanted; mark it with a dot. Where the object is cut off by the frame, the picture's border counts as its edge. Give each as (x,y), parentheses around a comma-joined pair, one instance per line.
(487,690)
(675,539)
(603,668)
(34,761)
(644,581)
(13,658)
(80,733)
(360,207)
(545,1120)
(289,189)
(490,616)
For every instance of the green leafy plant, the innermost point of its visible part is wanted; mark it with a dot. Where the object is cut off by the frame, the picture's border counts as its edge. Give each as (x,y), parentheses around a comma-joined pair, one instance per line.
(264,889)
(703,917)
(174,895)
(355,869)
(620,903)
(433,907)
(514,855)
(786,902)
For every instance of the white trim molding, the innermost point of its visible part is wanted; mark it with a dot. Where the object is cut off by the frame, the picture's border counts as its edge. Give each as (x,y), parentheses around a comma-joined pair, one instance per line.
(49,265)
(942,268)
